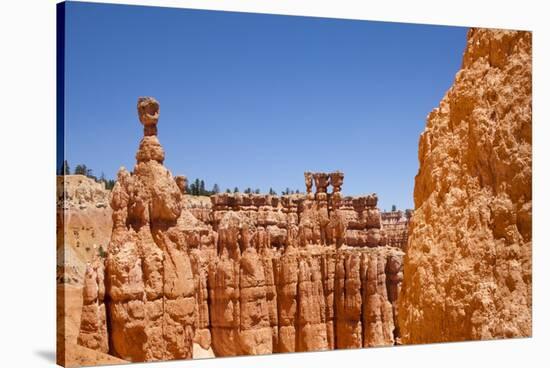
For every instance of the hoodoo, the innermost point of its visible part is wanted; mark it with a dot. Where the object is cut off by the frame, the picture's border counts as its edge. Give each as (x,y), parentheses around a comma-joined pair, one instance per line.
(250,274)
(150,293)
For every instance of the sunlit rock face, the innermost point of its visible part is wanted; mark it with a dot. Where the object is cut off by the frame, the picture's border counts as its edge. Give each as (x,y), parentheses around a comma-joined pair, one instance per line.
(467,272)
(83,219)
(244,274)
(149,283)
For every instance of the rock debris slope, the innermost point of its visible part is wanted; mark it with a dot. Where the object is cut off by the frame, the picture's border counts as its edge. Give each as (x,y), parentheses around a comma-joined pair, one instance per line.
(468,263)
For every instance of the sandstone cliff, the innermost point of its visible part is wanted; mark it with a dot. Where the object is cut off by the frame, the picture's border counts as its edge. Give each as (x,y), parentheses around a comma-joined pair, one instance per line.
(468,264)
(395,225)
(245,274)
(83,225)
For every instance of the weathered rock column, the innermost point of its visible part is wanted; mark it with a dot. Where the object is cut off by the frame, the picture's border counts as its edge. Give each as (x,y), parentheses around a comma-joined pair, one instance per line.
(287,302)
(238,299)
(377,310)
(150,291)
(93,324)
(311,326)
(349,301)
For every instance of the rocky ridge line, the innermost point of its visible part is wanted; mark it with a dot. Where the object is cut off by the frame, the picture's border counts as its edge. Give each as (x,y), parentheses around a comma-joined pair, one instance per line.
(258,274)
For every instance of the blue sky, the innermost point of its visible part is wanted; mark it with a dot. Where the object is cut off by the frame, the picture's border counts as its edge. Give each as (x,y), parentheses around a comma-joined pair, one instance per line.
(253,100)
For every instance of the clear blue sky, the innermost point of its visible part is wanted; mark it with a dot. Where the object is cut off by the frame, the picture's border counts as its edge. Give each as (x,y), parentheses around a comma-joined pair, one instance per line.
(255,100)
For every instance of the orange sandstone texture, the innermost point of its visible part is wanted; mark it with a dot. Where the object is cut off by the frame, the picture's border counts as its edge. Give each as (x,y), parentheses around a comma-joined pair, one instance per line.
(240,275)
(83,223)
(467,272)
(149,282)
(395,225)
(69,353)
(93,325)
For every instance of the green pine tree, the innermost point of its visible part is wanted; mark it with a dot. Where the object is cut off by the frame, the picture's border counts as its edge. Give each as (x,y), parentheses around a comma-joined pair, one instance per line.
(202,190)
(80,169)
(197,187)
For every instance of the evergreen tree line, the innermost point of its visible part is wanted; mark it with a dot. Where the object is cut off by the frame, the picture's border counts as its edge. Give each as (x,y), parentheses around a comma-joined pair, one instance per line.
(257,191)
(82,169)
(196,188)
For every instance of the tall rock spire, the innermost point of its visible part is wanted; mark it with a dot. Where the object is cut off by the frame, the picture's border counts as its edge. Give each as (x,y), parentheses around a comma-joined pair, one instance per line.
(150,290)
(149,148)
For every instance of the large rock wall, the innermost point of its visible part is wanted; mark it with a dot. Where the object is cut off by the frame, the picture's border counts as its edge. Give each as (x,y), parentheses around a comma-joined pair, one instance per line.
(83,225)
(249,274)
(304,291)
(468,263)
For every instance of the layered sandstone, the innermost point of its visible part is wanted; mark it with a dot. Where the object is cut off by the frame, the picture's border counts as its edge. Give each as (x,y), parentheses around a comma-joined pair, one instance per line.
(395,225)
(468,264)
(84,227)
(93,326)
(83,223)
(69,352)
(149,280)
(245,274)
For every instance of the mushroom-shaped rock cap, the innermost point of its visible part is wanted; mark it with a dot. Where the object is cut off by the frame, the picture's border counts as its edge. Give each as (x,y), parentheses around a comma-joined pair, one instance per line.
(148,111)
(337,179)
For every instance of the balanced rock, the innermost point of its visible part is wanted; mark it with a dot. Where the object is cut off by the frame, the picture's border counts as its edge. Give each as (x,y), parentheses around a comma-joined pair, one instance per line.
(150,284)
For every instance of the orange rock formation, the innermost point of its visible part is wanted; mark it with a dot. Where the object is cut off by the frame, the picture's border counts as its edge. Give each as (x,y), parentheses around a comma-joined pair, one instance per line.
(83,223)
(247,274)
(468,263)
(395,225)
(244,274)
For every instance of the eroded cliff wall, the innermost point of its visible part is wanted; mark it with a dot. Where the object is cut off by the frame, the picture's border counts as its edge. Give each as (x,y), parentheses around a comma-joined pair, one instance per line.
(249,274)
(83,224)
(468,263)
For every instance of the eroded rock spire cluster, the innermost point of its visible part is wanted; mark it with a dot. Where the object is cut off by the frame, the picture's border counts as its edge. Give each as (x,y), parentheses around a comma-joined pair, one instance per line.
(258,274)
(254,274)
